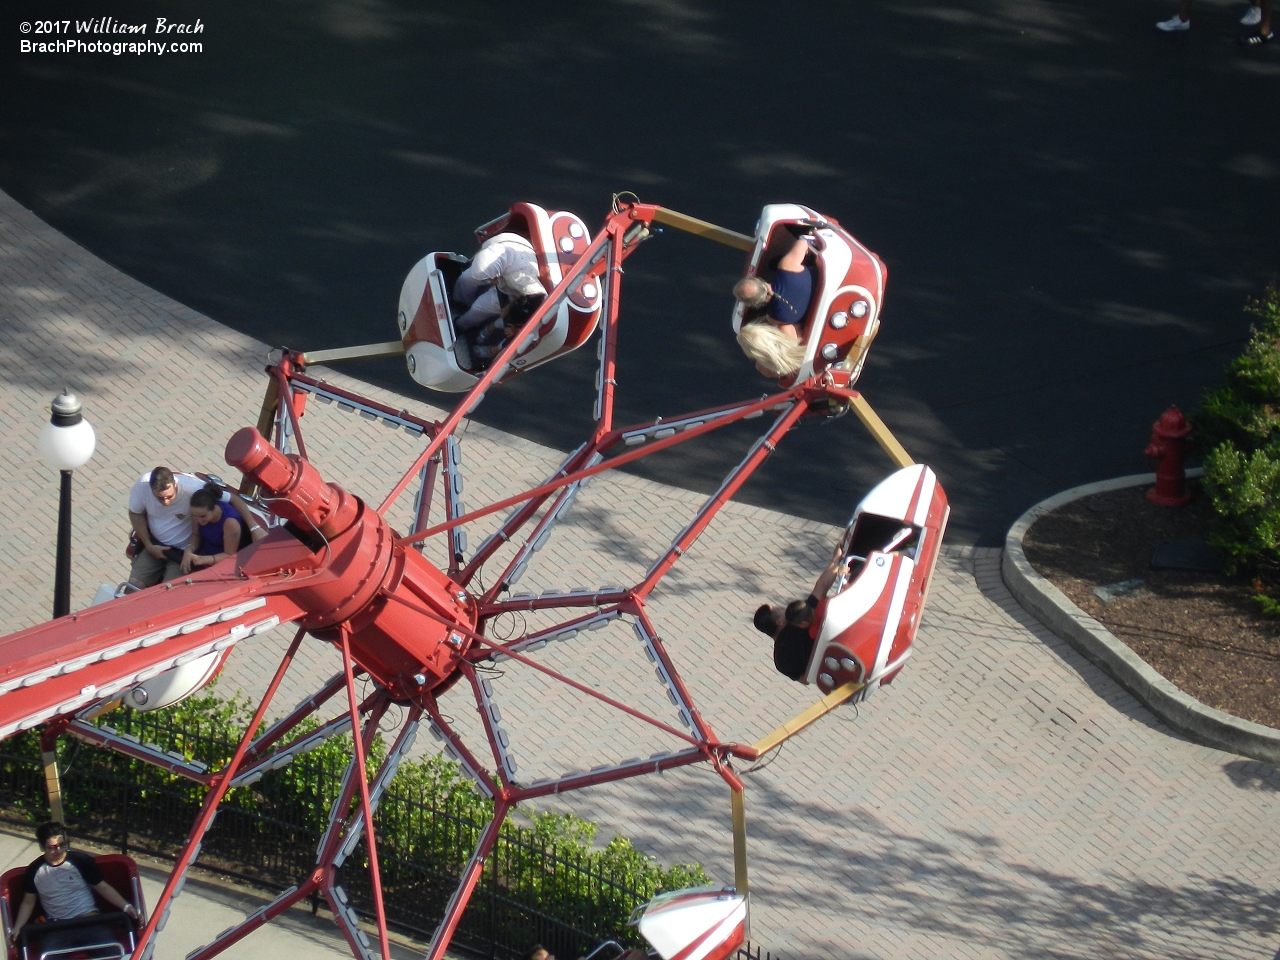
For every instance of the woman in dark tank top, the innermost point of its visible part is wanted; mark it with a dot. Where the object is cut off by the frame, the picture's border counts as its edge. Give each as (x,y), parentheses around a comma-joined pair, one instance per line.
(219,530)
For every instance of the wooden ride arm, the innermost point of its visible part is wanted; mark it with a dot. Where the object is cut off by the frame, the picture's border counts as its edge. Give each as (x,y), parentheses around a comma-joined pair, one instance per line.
(701,228)
(808,717)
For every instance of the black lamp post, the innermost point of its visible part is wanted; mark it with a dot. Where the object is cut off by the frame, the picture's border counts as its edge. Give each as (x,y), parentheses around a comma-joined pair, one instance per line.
(66,442)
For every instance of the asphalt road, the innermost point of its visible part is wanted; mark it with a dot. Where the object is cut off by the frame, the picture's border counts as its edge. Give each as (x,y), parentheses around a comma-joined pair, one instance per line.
(1073,207)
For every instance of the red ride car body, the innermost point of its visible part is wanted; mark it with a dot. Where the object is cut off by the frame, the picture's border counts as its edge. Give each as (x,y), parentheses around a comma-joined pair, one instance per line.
(865,630)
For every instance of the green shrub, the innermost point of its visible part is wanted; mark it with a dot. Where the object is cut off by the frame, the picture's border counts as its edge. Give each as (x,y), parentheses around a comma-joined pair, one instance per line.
(1244,492)
(1238,427)
(429,820)
(1245,410)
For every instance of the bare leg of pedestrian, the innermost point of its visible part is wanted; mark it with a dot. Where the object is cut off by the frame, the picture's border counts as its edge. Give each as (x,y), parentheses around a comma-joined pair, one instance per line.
(1264,34)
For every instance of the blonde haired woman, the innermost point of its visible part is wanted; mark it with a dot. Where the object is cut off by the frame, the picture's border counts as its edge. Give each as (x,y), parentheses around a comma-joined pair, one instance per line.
(777,353)
(774,342)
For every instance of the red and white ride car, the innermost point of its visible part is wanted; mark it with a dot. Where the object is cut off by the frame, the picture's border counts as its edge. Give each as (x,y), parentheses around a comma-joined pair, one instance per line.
(439,359)
(700,923)
(844,313)
(867,628)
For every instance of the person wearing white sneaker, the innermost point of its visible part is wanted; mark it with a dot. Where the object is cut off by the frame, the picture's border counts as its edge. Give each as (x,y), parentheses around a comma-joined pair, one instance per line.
(1264,34)
(1258,14)
(1180,21)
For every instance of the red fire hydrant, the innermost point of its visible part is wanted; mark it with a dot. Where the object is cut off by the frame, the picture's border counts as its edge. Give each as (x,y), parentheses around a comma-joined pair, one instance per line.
(1168,444)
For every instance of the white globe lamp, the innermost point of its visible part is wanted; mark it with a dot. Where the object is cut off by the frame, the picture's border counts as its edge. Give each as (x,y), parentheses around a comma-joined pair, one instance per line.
(66,442)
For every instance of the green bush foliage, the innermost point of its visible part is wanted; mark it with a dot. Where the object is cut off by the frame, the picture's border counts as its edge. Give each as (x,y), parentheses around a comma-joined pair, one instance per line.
(1245,494)
(1245,410)
(1238,427)
(428,823)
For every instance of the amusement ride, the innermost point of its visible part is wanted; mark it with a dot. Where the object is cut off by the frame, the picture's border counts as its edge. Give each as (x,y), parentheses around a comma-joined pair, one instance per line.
(410,628)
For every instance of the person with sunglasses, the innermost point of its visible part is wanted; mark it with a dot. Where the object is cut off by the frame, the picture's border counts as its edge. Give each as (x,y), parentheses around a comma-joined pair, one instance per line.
(64,881)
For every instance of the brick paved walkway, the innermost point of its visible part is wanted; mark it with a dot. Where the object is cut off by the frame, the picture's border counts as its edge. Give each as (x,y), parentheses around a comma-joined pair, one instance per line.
(1002,799)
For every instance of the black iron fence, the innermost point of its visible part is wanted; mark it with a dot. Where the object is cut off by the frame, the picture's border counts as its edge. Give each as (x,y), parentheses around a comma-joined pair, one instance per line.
(531,891)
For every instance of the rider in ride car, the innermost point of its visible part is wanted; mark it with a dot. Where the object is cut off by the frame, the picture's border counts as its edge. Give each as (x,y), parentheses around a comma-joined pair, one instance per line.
(220,528)
(65,881)
(160,510)
(489,341)
(775,342)
(506,267)
(793,628)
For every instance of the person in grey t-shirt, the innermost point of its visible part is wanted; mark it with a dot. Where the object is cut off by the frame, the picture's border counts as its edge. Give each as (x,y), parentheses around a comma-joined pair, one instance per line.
(64,881)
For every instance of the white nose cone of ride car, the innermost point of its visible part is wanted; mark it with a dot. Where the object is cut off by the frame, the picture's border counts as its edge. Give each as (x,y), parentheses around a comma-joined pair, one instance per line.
(166,689)
(701,923)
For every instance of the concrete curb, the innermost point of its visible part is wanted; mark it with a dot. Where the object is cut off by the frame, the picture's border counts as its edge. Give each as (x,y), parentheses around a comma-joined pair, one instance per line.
(1051,607)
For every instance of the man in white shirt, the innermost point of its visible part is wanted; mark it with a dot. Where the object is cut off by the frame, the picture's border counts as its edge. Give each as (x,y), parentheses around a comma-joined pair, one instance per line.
(160,512)
(506,264)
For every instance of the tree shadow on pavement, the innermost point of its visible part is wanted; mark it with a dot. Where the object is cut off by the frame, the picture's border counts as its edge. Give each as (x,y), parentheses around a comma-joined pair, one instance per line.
(865,877)
(1070,204)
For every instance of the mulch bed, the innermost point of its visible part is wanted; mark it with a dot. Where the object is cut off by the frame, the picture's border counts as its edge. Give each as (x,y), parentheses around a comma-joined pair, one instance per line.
(1202,631)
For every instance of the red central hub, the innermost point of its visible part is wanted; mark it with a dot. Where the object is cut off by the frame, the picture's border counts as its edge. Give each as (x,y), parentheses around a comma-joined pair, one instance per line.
(402,612)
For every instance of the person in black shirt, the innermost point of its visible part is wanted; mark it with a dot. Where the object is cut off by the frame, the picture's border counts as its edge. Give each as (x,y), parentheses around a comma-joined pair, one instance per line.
(776,341)
(791,626)
(785,300)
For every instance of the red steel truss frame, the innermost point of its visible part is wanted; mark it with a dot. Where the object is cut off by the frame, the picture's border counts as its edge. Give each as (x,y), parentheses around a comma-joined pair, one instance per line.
(283,579)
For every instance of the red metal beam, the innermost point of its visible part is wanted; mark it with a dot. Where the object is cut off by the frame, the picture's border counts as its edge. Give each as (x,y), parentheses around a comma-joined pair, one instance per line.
(704,731)
(568,681)
(460,748)
(335,835)
(640,768)
(612,284)
(427,426)
(731,485)
(597,598)
(516,520)
(375,873)
(611,464)
(290,407)
(427,490)
(461,896)
(258,919)
(87,733)
(221,783)
(105,649)
(296,716)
